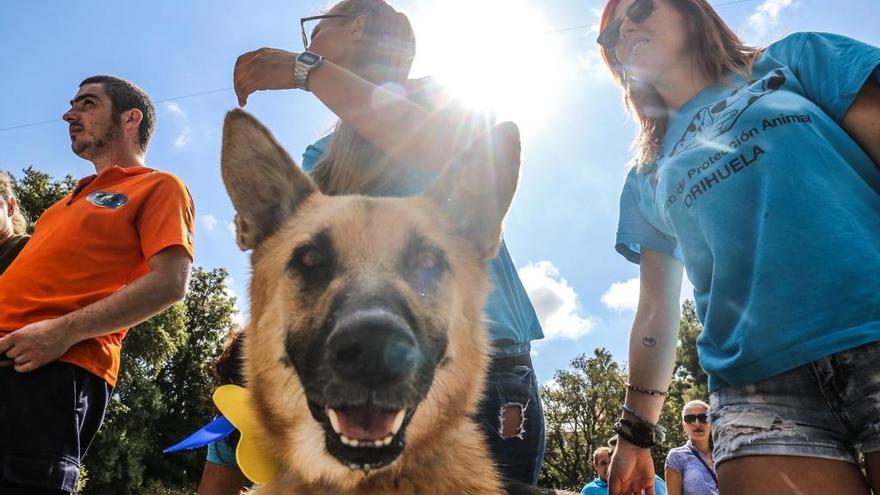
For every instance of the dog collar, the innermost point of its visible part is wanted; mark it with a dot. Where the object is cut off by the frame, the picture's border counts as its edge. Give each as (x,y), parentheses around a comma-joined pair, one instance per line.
(252,453)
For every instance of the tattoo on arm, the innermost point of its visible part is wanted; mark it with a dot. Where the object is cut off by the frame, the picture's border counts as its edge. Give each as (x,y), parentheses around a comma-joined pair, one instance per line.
(649,342)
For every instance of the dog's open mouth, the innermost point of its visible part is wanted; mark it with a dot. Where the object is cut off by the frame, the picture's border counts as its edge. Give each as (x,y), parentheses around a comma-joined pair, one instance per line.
(365,426)
(365,436)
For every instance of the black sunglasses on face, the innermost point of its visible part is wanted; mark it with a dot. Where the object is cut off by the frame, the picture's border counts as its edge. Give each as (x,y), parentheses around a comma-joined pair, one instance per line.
(692,418)
(304,20)
(637,12)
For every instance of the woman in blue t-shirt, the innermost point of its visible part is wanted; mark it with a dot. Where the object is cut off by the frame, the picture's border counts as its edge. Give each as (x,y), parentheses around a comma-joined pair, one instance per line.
(756,171)
(389,145)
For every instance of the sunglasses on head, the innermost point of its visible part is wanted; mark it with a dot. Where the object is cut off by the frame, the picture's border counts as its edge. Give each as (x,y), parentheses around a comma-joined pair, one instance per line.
(637,12)
(692,418)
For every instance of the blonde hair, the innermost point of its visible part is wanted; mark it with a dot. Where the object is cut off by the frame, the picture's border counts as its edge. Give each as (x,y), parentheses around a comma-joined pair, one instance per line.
(695,403)
(717,51)
(19,221)
(352,164)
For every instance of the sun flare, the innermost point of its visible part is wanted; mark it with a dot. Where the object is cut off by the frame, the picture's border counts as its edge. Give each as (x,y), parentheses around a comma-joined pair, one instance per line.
(492,54)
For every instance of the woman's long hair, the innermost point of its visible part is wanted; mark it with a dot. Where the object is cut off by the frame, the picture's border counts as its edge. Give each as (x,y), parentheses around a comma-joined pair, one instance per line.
(352,164)
(717,51)
(19,222)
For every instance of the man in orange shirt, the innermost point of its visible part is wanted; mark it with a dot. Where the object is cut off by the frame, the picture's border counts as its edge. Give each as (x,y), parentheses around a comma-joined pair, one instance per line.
(111,254)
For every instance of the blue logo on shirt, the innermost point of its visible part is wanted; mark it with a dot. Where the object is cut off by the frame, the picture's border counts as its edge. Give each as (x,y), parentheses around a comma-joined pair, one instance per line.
(714,120)
(107,199)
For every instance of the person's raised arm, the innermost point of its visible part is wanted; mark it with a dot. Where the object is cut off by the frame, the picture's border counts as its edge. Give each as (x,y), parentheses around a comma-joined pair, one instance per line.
(40,343)
(406,131)
(862,121)
(653,341)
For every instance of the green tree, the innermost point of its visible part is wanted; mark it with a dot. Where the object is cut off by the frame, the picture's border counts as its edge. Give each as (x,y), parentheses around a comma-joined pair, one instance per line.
(580,408)
(687,364)
(163,393)
(37,191)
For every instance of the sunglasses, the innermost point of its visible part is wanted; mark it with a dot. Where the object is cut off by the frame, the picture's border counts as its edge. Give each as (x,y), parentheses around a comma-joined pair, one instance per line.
(304,20)
(693,418)
(638,12)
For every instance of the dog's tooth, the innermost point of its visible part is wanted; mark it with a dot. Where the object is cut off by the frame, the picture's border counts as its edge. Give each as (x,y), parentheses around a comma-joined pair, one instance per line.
(334,420)
(387,440)
(345,440)
(379,443)
(355,443)
(398,421)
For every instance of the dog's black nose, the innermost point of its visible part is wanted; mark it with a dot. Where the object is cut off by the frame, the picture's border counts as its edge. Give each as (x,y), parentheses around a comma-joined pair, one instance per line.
(373,347)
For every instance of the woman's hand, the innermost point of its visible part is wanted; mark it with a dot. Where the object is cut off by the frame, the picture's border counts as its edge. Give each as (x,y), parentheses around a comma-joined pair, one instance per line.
(631,471)
(266,68)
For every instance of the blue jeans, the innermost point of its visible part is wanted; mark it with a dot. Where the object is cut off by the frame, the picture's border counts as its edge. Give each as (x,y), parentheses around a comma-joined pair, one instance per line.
(511,392)
(826,409)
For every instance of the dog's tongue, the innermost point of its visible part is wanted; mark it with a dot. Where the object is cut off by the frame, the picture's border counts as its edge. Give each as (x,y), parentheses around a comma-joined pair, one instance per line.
(366,423)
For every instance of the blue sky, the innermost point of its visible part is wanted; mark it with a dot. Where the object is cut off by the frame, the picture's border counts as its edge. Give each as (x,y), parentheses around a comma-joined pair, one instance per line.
(516,56)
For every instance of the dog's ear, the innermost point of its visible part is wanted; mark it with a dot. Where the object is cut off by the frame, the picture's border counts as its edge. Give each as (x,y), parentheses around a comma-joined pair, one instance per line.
(264,183)
(476,190)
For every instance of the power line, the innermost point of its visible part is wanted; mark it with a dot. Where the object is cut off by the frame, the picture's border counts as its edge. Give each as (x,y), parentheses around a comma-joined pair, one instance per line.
(203,93)
(193,95)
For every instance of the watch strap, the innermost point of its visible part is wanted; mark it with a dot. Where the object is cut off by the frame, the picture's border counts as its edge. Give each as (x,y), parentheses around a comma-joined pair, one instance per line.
(302,69)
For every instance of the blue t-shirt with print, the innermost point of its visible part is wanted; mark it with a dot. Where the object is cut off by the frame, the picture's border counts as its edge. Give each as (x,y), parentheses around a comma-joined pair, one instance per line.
(510,313)
(773,209)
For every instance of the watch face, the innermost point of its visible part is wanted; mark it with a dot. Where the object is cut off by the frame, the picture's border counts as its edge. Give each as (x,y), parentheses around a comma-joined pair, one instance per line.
(308,58)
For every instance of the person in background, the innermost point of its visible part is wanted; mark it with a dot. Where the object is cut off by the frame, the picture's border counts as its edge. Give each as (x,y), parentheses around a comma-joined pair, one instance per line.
(357,63)
(689,468)
(221,475)
(601,462)
(756,170)
(13,225)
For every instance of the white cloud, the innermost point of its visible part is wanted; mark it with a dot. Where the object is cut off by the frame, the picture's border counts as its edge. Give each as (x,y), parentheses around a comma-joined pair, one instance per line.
(761,25)
(182,139)
(209,221)
(556,302)
(230,226)
(175,109)
(622,296)
(237,315)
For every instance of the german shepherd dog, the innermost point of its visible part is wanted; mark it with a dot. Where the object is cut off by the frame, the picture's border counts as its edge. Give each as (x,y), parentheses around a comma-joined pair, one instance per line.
(366,350)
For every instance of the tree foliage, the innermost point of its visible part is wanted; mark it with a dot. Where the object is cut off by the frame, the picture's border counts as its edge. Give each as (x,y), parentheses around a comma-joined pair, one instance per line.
(164,393)
(37,191)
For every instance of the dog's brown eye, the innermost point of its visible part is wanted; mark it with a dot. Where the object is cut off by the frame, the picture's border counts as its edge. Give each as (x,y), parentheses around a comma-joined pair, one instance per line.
(312,258)
(427,260)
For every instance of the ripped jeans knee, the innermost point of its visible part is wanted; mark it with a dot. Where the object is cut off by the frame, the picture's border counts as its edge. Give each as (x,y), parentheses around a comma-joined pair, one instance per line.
(512,419)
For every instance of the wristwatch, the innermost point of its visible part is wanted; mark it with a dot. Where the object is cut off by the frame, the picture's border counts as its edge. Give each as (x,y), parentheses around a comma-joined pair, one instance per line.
(640,434)
(306,62)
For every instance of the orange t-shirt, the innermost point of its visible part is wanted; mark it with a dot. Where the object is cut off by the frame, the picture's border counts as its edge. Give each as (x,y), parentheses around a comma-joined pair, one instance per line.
(91,244)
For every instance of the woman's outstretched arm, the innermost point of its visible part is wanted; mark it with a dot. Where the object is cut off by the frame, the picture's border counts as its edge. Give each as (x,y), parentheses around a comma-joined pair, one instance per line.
(652,347)
(394,124)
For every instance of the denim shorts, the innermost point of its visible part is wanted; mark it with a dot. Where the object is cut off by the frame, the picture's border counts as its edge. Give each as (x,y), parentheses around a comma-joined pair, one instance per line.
(828,409)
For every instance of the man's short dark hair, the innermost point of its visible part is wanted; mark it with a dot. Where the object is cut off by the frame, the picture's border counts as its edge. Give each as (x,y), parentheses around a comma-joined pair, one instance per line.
(125,95)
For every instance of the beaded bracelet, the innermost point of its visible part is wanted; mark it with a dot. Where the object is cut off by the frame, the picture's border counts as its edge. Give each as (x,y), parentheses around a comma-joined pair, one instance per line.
(655,393)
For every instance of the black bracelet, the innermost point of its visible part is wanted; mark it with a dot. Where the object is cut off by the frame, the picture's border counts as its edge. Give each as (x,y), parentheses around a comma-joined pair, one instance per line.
(619,429)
